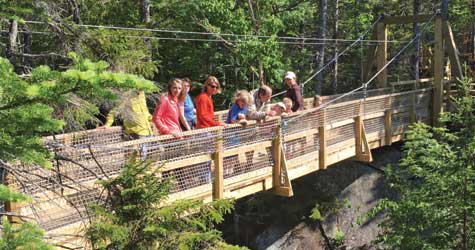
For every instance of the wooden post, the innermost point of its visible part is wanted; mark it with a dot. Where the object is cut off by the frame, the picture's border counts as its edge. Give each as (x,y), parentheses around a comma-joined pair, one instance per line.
(388,128)
(280,176)
(412,108)
(358,133)
(322,151)
(369,62)
(218,172)
(277,154)
(362,149)
(382,54)
(358,121)
(11,207)
(438,70)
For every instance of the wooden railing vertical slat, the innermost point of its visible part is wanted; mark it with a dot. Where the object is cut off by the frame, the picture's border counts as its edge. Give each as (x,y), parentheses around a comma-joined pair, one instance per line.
(388,128)
(412,108)
(322,152)
(218,171)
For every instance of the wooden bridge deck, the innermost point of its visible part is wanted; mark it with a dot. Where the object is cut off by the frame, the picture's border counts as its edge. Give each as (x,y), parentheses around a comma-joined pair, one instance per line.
(229,162)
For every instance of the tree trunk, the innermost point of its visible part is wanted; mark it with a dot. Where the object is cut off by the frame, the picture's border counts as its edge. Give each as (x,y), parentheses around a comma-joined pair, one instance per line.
(145,11)
(335,36)
(416,55)
(12,47)
(262,80)
(76,11)
(26,50)
(254,17)
(320,55)
(145,16)
(357,59)
(472,32)
(445,9)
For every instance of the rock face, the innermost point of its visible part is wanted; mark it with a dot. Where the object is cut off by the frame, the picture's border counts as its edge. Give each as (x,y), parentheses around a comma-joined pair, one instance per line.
(355,186)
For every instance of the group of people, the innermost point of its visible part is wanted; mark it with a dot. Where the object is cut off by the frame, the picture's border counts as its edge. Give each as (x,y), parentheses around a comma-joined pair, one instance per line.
(176,112)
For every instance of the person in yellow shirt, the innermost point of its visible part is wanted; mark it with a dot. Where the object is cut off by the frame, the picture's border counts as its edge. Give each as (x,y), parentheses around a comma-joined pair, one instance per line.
(134,113)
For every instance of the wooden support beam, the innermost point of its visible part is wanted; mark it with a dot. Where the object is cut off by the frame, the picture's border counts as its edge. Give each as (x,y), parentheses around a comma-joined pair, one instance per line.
(388,129)
(367,155)
(11,207)
(451,48)
(322,151)
(285,189)
(277,154)
(369,62)
(280,177)
(218,172)
(382,54)
(406,19)
(362,149)
(167,166)
(438,70)
(358,134)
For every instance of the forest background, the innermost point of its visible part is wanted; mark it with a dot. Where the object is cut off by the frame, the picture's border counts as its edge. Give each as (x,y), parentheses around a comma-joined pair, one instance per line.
(243,43)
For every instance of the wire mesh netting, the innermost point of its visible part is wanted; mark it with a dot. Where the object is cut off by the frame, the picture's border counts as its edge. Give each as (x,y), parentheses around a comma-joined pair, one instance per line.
(62,194)
(341,134)
(374,128)
(189,177)
(400,122)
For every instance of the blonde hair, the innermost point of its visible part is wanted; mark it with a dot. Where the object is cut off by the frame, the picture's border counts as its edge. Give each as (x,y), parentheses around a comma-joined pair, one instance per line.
(287,99)
(243,95)
(210,80)
(173,82)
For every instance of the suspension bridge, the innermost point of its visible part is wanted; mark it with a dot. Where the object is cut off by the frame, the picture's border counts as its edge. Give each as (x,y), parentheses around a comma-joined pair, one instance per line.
(236,161)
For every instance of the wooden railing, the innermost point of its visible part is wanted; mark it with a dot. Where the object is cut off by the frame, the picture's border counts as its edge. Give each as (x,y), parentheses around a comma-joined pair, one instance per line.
(220,162)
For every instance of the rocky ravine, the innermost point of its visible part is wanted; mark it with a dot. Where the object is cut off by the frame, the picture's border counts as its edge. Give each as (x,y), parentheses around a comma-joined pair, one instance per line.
(265,221)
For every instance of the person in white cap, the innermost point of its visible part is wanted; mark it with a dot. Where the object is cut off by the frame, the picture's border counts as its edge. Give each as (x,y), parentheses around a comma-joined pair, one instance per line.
(293,91)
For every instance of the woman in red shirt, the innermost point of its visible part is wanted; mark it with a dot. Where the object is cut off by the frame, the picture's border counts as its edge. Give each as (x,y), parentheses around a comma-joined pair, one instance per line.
(204,104)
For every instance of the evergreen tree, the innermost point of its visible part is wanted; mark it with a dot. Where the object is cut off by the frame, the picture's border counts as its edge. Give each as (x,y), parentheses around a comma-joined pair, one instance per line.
(132,217)
(37,105)
(435,181)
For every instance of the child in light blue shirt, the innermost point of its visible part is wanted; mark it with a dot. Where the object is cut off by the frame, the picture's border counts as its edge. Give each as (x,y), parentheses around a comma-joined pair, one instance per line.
(238,111)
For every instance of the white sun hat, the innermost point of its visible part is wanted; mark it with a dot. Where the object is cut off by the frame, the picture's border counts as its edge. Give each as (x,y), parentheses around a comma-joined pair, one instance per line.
(290,75)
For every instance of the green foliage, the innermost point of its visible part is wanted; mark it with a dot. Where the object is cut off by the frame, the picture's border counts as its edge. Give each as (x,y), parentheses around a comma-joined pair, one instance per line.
(16,9)
(49,100)
(435,182)
(44,103)
(23,236)
(236,60)
(6,195)
(316,215)
(125,51)
(324,209)
(134,219)
(339,238)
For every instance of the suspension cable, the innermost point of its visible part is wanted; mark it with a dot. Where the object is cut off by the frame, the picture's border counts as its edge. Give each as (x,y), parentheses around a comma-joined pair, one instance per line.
(364,85)
(336,57)
(216,34)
